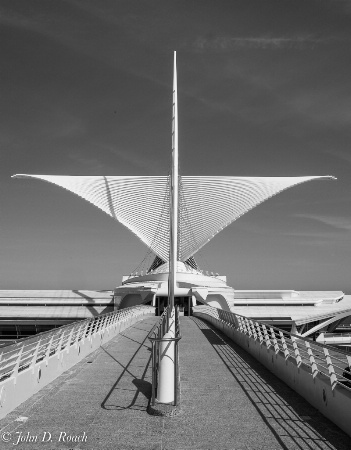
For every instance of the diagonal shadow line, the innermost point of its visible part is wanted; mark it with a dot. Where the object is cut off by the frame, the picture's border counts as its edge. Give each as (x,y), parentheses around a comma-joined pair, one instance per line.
(266,400)
(109,199)
(278,438)
(284,414)
(133,340)
(82,295)
(125,370)
(140,385)
(232,351)
(91,308)
(313,432)
(268,394)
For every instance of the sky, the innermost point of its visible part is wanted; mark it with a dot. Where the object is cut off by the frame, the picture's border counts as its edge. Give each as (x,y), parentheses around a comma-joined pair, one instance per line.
(264,90)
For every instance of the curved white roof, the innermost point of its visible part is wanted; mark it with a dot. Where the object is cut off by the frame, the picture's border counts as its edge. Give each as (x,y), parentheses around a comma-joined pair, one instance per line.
(207,204)
(213,203)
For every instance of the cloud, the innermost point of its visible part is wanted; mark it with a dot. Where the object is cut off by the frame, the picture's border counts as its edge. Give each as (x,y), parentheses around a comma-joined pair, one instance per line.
(98,167)
(339,154)
(92,164)
(134,159)
(85,35)
(263,42)
(336,222)
(330,238)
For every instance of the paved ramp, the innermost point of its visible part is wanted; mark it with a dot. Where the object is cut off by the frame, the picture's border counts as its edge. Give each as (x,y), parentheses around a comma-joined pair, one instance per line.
(229,401)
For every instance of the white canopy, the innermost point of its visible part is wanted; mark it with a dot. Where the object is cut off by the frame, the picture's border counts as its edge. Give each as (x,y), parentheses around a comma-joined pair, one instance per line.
(206,204)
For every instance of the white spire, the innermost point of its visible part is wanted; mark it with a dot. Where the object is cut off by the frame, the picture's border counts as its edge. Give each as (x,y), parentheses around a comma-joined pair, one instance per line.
(173,248)
(149,206)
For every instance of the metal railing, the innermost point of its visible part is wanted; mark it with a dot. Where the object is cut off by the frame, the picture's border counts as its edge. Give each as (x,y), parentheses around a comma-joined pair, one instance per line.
(27,352)
(321,359)
(157,337)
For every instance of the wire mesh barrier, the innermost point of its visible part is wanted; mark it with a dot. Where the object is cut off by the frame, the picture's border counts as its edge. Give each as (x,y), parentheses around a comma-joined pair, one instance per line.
(164,337)
(320,359)
(31,363)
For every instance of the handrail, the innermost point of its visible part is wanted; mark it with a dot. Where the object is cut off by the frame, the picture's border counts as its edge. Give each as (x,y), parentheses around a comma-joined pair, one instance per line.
(28,351)
(157,336)
(323,359)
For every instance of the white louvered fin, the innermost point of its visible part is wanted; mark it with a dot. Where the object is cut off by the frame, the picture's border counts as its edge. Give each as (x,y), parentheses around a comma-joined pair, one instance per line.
(139,203)
(209,204)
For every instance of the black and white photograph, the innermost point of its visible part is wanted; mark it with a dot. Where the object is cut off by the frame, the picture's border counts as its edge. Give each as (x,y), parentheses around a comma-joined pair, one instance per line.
(175,224)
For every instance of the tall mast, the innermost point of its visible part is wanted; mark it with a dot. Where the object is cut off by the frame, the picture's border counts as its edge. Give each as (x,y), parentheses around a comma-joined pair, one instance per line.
(173,249)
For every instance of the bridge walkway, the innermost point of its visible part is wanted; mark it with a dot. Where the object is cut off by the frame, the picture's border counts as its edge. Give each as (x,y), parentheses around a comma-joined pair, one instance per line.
(229,401)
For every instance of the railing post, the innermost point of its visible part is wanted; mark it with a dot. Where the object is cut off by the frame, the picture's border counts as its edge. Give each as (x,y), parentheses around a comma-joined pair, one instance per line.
(332,376)
(266,336)
(34,359)
(154,371)
(235,320)
(16,367)
(59,346)
(77,336)
(109,321)
(274,339)
(97,325)
(93,327)
(102,327)
(254,329)
(296,351)
(246,326)
(312,360)
(86,332)
(68,344)
(259,332)
(251,327)
(242,327)
(284,345)
(48,349)
(176,368)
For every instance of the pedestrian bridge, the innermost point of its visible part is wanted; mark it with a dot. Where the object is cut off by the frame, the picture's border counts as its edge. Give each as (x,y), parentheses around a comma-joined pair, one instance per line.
(229,399)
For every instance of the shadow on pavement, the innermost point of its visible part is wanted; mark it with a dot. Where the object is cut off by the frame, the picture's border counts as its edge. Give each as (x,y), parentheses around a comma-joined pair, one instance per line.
(291,418)
(130,391)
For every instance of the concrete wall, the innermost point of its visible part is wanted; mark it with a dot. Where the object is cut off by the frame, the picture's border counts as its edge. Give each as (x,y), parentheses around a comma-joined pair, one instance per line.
(130,300)
(332,403)
(16,389)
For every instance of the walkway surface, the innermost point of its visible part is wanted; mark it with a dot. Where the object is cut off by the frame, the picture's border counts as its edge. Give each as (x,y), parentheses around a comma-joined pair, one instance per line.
(229,401)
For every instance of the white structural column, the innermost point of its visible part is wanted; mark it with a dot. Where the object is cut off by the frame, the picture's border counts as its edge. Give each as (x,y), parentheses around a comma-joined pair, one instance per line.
(173,248)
